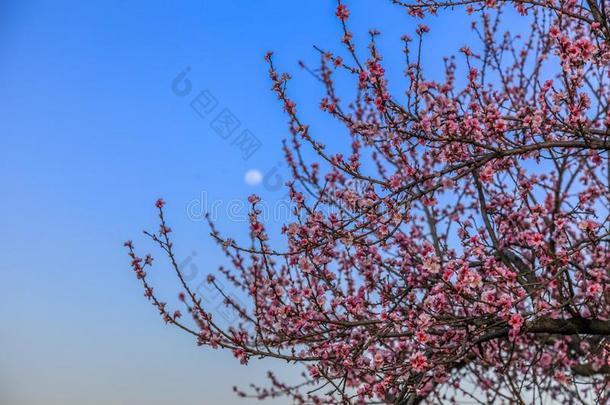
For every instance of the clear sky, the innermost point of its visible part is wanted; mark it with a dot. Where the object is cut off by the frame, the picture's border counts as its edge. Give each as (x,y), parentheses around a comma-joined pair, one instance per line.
(91,133)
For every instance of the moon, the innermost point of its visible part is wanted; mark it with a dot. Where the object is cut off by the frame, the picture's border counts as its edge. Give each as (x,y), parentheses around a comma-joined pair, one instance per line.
(253,177)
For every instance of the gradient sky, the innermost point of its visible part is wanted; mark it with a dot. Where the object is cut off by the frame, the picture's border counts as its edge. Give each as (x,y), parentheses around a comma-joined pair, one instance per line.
(91,134)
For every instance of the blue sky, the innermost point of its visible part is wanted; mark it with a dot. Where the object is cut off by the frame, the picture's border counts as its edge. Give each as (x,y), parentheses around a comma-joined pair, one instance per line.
(91,134)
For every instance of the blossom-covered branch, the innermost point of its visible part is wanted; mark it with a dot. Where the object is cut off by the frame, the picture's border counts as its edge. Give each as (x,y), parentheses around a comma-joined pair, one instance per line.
(473,262)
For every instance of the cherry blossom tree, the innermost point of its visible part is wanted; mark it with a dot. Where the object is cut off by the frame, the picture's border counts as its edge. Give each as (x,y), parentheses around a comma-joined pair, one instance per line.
(472,263)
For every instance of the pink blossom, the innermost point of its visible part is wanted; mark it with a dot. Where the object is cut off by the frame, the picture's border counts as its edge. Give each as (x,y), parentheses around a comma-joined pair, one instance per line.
(515,321)
(419,362)
(342,12)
